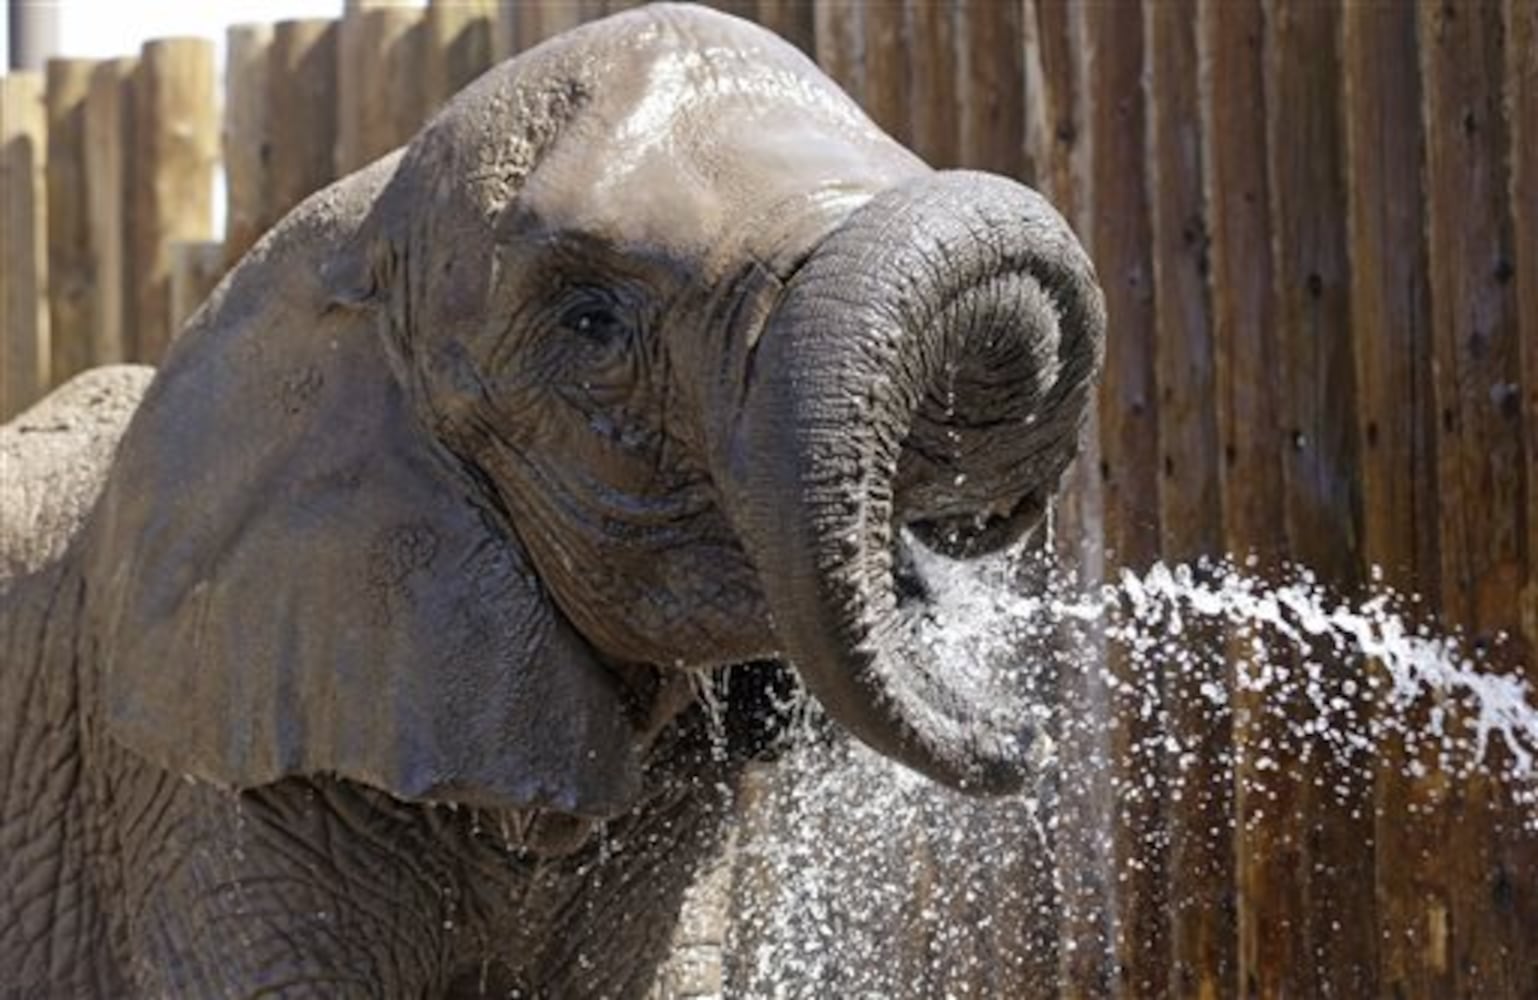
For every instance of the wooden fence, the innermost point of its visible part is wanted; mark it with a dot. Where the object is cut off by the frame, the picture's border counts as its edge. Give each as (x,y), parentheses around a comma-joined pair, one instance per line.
(1317,229)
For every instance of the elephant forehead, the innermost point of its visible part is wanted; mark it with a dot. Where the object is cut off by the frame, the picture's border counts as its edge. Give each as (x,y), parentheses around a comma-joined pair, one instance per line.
(703,149)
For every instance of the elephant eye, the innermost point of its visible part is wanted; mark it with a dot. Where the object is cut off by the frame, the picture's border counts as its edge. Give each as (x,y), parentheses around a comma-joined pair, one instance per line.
(596,322)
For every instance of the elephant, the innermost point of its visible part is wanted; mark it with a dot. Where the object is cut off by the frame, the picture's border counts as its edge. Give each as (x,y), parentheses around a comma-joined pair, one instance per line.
(361,649)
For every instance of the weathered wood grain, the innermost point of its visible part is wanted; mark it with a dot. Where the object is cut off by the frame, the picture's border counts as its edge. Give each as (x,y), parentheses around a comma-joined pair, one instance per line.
(1231,41)
(1201,867)
(176,138)
(110,169)
(70,272)
(459,46)
(1396,439)
(302,81)
(1117,233)
(1480,460)
(247,140)
(379,94)
(24,348)
(1322,506)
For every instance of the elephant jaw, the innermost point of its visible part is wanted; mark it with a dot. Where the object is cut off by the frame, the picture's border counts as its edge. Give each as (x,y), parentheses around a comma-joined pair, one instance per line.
(928,366)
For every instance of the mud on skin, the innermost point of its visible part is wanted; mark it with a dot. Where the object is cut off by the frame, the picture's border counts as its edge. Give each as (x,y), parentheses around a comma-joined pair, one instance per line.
(409,563)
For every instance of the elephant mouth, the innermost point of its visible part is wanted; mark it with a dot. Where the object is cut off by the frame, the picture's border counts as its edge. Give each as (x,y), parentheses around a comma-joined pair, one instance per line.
(926,372)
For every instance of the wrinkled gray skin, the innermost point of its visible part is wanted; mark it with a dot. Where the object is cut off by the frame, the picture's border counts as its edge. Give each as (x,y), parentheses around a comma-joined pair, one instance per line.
(412,555)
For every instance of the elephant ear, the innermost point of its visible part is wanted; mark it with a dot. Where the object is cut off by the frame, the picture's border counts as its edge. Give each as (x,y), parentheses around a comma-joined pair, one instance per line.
(288,575)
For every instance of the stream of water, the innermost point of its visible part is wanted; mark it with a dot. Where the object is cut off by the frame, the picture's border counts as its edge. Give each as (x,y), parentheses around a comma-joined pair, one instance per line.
(863,880)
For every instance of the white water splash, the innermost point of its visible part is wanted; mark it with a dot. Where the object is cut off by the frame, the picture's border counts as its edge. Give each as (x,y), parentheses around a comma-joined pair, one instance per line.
(856,866)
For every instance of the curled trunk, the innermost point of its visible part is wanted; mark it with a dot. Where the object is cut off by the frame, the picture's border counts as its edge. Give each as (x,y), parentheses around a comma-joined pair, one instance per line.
(929,367)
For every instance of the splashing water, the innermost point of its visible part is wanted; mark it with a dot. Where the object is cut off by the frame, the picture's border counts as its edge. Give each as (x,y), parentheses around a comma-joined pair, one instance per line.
(857,879)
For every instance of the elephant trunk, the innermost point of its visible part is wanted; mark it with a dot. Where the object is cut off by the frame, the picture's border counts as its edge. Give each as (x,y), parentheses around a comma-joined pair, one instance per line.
(927,367)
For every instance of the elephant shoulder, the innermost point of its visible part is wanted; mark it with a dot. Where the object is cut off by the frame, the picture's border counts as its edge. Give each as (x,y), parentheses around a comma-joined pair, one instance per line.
(54,459)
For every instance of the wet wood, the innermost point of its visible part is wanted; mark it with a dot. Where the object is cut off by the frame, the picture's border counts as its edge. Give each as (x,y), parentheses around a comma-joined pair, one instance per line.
(1519,909)
(1395,432)
(176,137)
(196,267)
(1085,877)
(885,72)
(110,167)
(934,129)
(379,83)
(1118,236)
(526,24)
(24,351)
(302,81)
(1480,458)
(840,34)
(247,138)
(992,89)
(1521,26)
(1231,41)
(792,20)
(459,46)
(1202,931)
(1051,113)
(70,279)
(1319,464)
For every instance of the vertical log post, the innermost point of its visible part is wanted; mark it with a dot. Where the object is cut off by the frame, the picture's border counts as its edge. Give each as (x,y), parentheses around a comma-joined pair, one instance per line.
(1202,931)
(884,76)
(839,31)
(70,278)
(379,82)
(110,185)
(933,126)
(1319,466)
(176,138)
(1481,463)
(992,89)
(459,46)
(1118,236)
(24,347)
(247,137)
(1521,22)
(301,80)
(1396,438)
(1231,41)
(196,267)
(792,20)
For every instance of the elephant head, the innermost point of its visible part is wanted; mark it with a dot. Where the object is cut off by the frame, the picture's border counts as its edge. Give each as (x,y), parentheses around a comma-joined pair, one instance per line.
(634,363)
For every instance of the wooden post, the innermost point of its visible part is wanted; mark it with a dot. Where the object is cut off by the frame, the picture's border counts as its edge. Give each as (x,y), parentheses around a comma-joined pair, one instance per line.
(1481,463)
(459,47)
(526,23)
(992,89)
(70,281)
(1118,237)
(1521,23)
(1231,40)
(301,80)
(934,126)
(248,140)
(1201,871)
(1396,427)
(1052,44)
(1319,467)
(838,29)
(885,80)
(109,135)
(176,137)
(196,267)
(792,20)
(379,83)
(23,243)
